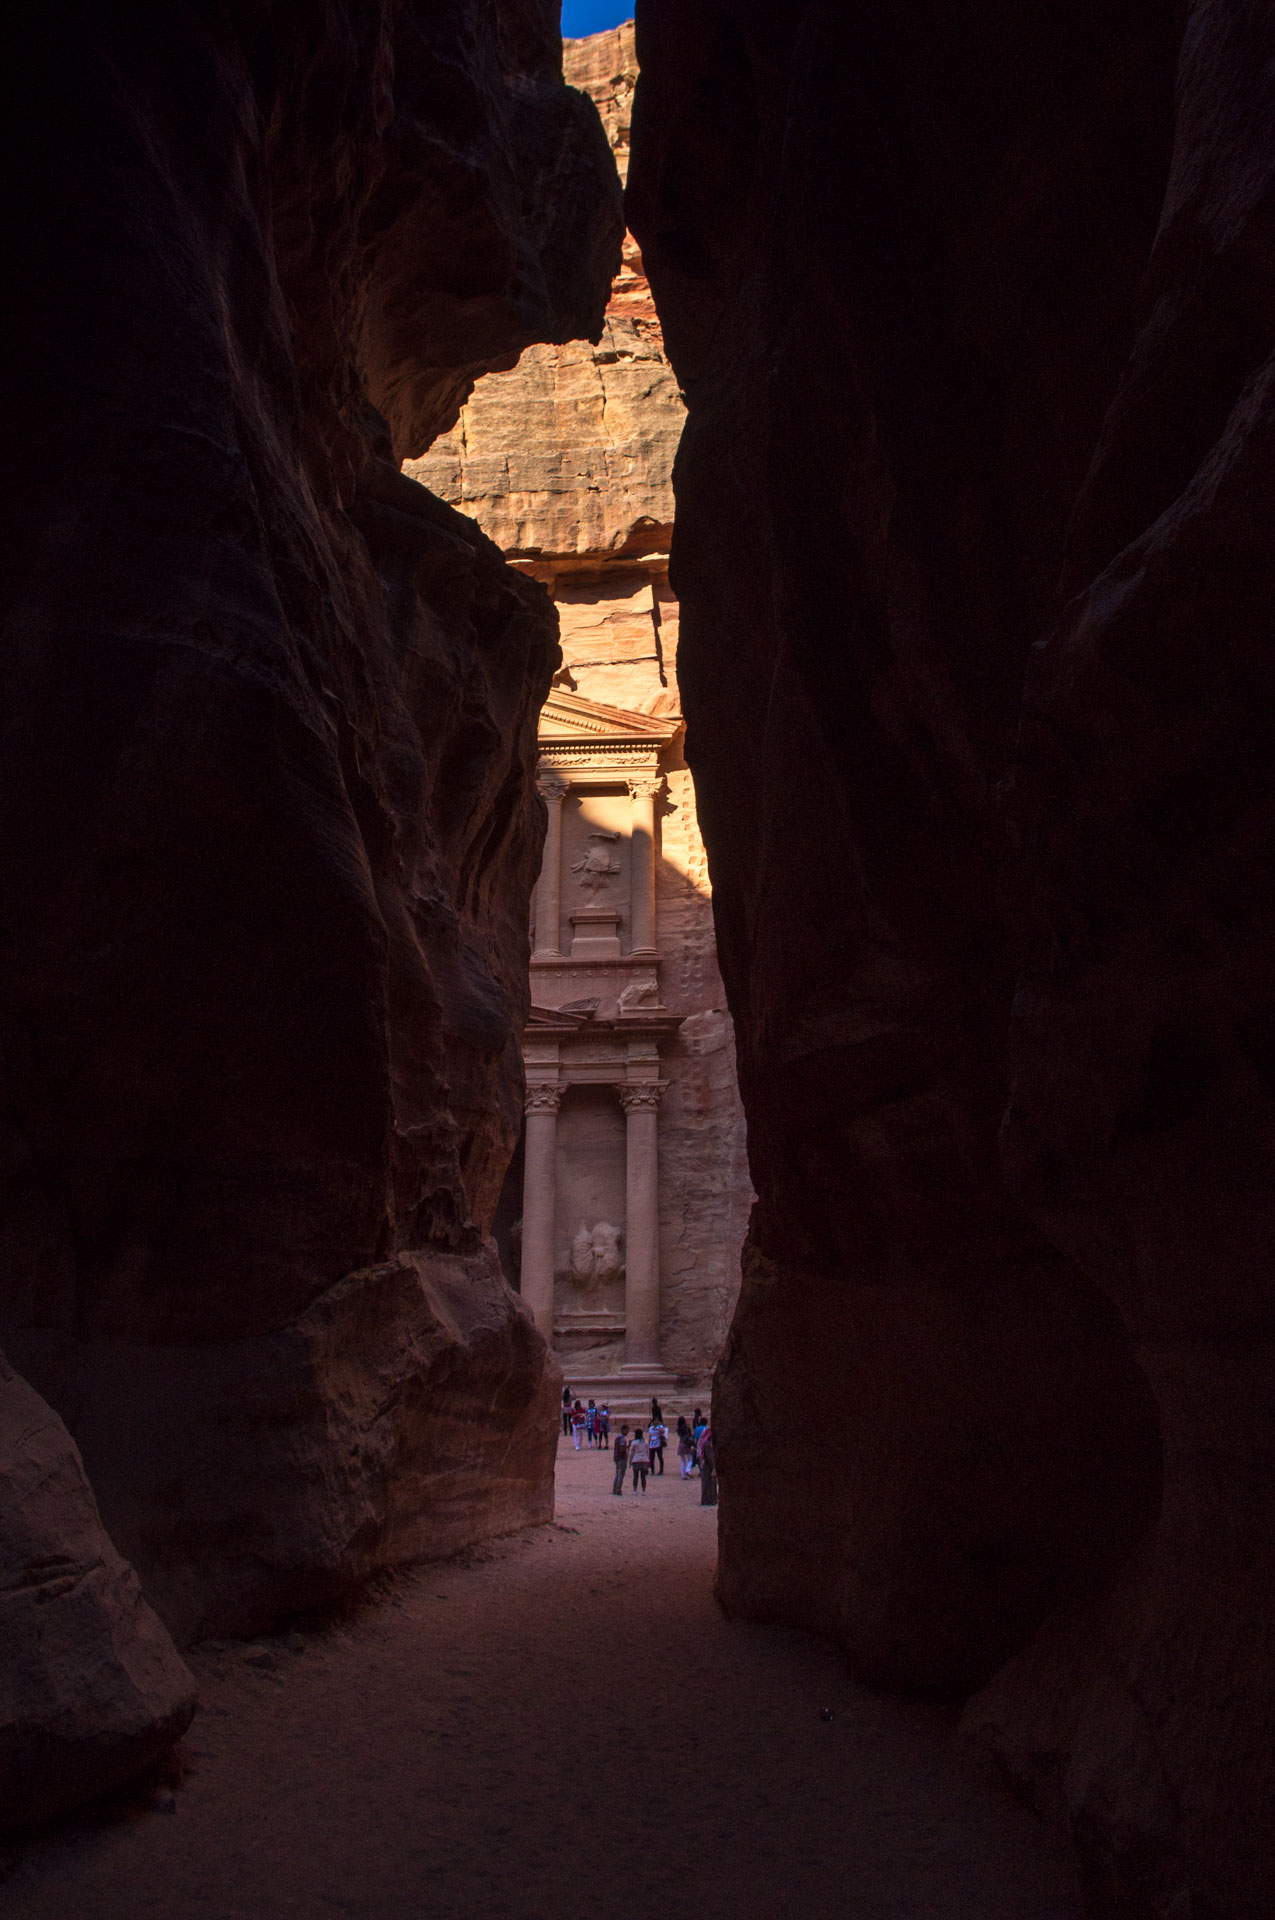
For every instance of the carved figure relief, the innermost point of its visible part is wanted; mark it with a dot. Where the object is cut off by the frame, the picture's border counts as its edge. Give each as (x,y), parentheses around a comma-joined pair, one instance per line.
(598,866)
(639,996)
(582,1257)
(595,1255)
(607,1264)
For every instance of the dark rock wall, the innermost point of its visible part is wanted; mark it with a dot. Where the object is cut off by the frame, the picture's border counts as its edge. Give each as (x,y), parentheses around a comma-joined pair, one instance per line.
(268,830)
(1140,1125)
(92,1689)
(973,311)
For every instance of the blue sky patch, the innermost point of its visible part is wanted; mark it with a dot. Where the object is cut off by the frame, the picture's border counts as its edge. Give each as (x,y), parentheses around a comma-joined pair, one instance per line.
(590,16)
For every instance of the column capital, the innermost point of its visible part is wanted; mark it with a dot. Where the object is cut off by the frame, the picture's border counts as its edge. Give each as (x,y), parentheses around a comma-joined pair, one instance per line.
(542,1099)
(642,1096)
(550,785)
(644,786)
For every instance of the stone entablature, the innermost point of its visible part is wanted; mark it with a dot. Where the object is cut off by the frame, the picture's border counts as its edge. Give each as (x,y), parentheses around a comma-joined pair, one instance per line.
(575,730)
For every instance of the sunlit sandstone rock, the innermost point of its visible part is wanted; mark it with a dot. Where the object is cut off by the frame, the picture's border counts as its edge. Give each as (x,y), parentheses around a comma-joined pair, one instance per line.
(568,460)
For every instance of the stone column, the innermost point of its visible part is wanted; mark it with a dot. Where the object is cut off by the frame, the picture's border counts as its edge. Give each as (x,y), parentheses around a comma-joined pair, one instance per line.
(549,885)
(641,1224)
(539,1180)
(643,788)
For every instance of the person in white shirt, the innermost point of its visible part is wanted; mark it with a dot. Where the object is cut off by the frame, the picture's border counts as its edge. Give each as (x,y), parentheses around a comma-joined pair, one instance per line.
(656,1435)
(640,1460)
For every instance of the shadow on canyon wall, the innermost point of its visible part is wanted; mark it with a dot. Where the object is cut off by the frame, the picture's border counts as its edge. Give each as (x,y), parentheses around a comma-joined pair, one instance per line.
(269,826)
(973,312)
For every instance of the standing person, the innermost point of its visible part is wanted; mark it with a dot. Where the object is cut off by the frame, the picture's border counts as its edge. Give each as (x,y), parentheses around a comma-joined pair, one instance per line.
(656,1416)
(566,1410)
(639,1458)
(656,1435)
(577,1424)
(707,1470)
(685,1446)
(604,1425)
(621,1452)
(699,1427)
(591,1424)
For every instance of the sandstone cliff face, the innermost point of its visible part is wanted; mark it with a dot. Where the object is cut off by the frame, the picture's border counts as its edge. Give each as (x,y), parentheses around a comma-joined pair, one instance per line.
(269,829)
(566,461)
(974,557)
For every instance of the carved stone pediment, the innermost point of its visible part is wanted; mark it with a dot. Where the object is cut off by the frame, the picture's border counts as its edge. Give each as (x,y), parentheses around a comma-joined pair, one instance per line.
(576,731)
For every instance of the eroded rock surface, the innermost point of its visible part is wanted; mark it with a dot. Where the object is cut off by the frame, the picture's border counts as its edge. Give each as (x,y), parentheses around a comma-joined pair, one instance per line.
(974,556)
(92,1690)
(567,461)
(269,828)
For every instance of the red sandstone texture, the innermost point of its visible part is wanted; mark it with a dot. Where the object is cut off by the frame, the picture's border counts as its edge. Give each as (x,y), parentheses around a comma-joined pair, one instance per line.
(268,823)
(974,548)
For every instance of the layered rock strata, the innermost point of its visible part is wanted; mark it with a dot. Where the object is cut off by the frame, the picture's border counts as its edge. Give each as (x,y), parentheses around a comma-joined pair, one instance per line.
(974,324)
(566,462)
(269,820)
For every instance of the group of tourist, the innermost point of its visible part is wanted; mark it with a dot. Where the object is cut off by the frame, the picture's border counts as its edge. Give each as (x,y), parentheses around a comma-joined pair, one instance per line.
(641,1451)
(585,1426)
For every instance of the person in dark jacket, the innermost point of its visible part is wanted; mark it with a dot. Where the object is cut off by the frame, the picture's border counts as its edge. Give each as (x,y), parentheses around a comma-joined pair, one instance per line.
(620,1454)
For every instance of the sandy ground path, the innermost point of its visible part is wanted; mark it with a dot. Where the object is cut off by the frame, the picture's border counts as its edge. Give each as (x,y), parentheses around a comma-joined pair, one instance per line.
(565,1726)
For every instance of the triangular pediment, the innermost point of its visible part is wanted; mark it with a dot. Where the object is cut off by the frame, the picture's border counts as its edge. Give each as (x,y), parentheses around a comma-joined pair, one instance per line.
(567,717)
(559,1016)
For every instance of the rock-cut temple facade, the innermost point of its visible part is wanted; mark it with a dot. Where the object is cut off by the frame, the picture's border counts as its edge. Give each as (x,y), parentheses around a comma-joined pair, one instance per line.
(625,1210)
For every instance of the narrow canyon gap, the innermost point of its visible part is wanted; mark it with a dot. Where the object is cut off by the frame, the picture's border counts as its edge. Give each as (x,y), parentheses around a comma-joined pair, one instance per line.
(566,461)
(972,309)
